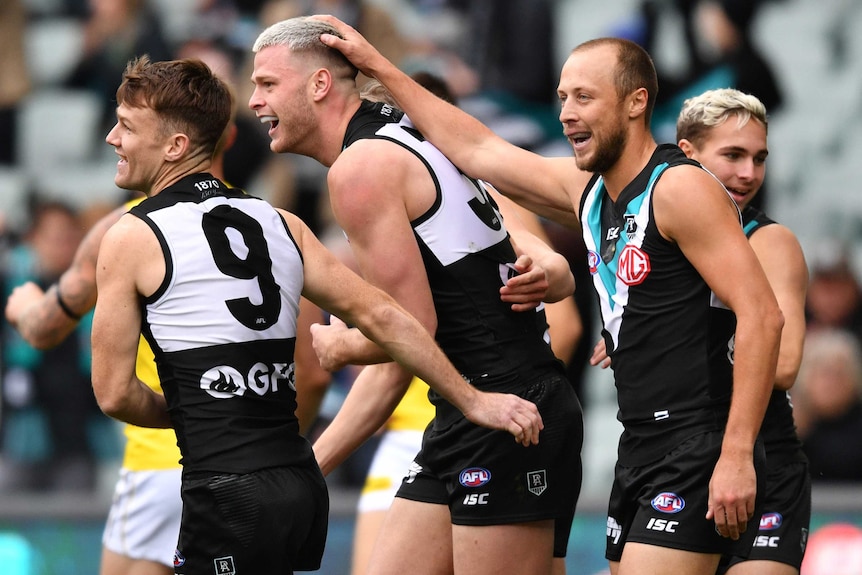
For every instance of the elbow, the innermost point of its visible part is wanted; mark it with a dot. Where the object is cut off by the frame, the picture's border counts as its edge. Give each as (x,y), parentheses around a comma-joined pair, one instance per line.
(111,404)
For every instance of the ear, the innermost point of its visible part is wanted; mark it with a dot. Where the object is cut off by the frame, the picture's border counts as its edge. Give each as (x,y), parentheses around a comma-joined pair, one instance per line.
(638,103)
(176,147)
(320,84)
(687,147)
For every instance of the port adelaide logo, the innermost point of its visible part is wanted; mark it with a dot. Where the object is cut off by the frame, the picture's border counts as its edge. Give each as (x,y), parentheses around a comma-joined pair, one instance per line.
(537,482)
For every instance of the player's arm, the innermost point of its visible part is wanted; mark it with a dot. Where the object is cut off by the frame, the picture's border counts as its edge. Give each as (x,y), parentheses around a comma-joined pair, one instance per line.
(549,278)
(369,205)
(564,319)
(46,318)
(546,186)
(312,379)
(127,249)
(694,211)
(332,286)
(783,262)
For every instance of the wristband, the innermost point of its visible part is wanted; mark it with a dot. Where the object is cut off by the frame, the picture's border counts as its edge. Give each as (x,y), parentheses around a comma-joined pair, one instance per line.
(63,306)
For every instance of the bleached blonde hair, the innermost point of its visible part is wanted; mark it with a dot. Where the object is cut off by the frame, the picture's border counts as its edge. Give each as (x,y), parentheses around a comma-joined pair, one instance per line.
(712,108)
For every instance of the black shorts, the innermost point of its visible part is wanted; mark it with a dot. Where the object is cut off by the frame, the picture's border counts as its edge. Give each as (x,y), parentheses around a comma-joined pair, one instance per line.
(486,478)
(784,524)
(665,503)
(269,521)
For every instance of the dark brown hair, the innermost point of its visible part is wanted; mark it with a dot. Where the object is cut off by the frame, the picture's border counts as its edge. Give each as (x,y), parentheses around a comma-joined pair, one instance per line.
(185,94)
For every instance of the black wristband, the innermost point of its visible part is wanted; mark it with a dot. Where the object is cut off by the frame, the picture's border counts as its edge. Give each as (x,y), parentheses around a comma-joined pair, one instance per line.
(63,306)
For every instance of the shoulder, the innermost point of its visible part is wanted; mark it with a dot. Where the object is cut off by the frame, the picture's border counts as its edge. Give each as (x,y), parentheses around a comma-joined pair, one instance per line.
(778,242)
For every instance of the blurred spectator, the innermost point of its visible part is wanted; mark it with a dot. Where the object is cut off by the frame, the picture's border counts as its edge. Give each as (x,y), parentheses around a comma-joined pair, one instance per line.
(834,293)
(718,51)
(834,549)
(521,83)
(827,405)
(116,31)
(48,404)
(14,77)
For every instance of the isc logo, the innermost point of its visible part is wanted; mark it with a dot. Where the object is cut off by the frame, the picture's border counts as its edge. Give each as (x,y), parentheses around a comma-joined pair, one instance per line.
(766,541)
(476,499)
(668,502)
(474,477)
(770,521)
(662,525)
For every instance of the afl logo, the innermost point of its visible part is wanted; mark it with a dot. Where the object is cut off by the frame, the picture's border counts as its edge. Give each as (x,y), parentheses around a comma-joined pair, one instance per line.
(593,261)
(474,477)
(634,265)
(668,502)
(770,521)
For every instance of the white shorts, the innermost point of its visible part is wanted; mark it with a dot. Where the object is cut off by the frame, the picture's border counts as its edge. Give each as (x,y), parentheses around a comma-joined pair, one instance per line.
(144,520)
(392,460)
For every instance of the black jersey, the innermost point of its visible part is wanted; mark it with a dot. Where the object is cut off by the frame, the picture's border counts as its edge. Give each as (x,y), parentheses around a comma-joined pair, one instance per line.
(669,337)
(467,253)
(778,430)
(222,326)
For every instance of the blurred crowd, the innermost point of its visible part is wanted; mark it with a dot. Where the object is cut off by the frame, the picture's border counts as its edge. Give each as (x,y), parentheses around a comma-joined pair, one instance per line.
(52,435)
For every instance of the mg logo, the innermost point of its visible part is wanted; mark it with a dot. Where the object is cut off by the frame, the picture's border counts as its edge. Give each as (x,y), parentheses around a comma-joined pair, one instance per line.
(634,265)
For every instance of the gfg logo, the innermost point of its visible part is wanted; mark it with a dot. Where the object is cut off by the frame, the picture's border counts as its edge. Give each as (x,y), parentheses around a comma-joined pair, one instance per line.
(224,381)
(474,477)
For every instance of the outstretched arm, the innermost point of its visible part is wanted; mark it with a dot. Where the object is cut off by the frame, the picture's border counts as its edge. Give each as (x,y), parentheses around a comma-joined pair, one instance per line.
(332,286)
(547,186)
(40,316)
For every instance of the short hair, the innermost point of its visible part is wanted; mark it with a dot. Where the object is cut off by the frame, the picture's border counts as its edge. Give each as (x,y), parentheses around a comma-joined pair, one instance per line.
(185,94)
(635,69)
(302,35)
(712,108)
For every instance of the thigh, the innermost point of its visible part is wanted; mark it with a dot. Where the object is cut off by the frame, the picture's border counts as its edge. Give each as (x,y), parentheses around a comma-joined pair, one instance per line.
(116,564)
(144,520)
(416,538)
(493,549)
(641,559)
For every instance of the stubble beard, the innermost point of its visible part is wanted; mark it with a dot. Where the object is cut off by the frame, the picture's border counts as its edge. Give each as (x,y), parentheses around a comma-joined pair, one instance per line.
(608,153)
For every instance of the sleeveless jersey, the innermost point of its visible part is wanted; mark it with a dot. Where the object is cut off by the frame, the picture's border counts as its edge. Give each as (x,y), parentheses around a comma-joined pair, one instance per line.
(467,252)
(669,338)
(222,326)
(778,430)
(148,448)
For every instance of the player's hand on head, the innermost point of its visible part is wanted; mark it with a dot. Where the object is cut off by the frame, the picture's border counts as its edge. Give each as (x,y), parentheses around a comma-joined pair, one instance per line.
(352,44)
